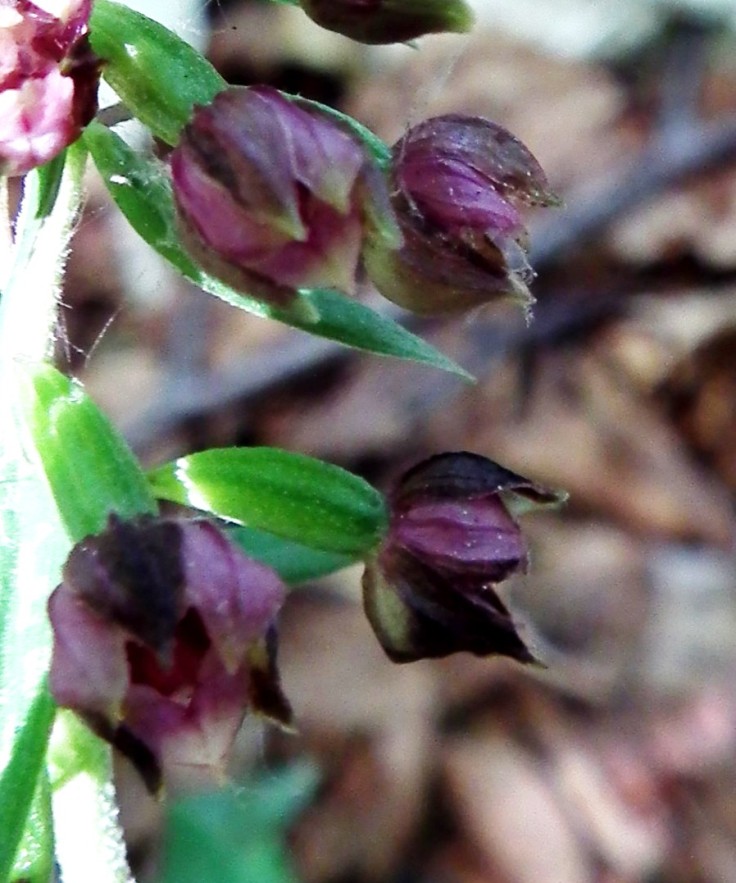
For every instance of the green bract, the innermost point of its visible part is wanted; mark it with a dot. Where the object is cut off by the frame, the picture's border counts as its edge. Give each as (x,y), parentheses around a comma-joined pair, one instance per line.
(243,832)
(160,77)
(157,75)
(290,495)
(294,562)
(88,465)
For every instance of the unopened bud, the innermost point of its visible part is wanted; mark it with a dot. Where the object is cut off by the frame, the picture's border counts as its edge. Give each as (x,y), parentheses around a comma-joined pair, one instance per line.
(389,21)
(458,185)
(272,195)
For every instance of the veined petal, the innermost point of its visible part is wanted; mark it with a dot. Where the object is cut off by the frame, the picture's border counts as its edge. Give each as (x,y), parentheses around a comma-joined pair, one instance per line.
(237,598)
(89,670)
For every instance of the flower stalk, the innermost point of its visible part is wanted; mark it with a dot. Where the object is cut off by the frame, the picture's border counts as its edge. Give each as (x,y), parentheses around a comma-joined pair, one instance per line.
(35,541)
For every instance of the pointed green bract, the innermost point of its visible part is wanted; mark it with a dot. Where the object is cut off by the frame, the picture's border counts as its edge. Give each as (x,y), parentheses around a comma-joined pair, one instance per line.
(290,495)
(242,833)
(294,562)
(158,76)
(90,469)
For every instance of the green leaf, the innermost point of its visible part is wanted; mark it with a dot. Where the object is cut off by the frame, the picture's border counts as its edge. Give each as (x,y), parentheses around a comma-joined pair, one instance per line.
(142,190)
(23,768)
(49,184)
(89,467)
(294,562)
(157,75)
(240,833)
(34,861)
(293,496)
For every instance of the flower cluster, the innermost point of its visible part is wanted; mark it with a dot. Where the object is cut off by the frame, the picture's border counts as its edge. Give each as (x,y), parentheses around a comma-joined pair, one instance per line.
(163,639)
(48,80)
(274,195)
(164,632)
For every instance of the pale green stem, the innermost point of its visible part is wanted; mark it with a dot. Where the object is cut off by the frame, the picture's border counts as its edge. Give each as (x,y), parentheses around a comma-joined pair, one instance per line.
(6,241)
(33,542)
(32,288)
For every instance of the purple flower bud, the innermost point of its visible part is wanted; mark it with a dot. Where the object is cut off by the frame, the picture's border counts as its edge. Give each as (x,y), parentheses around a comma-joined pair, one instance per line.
(273,195)
(389,21)
(429,590)
(48,81)
(458,184)
(163,638)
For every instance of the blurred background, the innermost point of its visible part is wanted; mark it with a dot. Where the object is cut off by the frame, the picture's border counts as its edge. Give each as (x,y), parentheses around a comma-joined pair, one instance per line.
(616,763)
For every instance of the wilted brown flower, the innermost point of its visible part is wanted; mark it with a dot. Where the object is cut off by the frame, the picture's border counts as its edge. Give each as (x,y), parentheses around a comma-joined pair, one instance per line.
(458,182)
(430,589)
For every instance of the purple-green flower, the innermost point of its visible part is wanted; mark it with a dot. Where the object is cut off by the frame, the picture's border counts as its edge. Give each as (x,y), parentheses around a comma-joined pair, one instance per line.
(48,81)
(459,183)
(429,591)
(163,640)
(273,195)
(389,21)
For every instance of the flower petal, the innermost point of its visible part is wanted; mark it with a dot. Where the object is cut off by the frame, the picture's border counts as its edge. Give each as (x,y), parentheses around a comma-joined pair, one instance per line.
(236,597)
(419,613)
(469,536)
(496,155)
(131,575)
(462,475)
(89,669)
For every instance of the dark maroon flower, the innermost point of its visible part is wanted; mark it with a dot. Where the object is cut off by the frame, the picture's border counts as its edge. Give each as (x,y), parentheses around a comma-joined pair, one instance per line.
(458,185)
(273,195)
(430,589)
(389,21)
(163,639)
(48,80)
